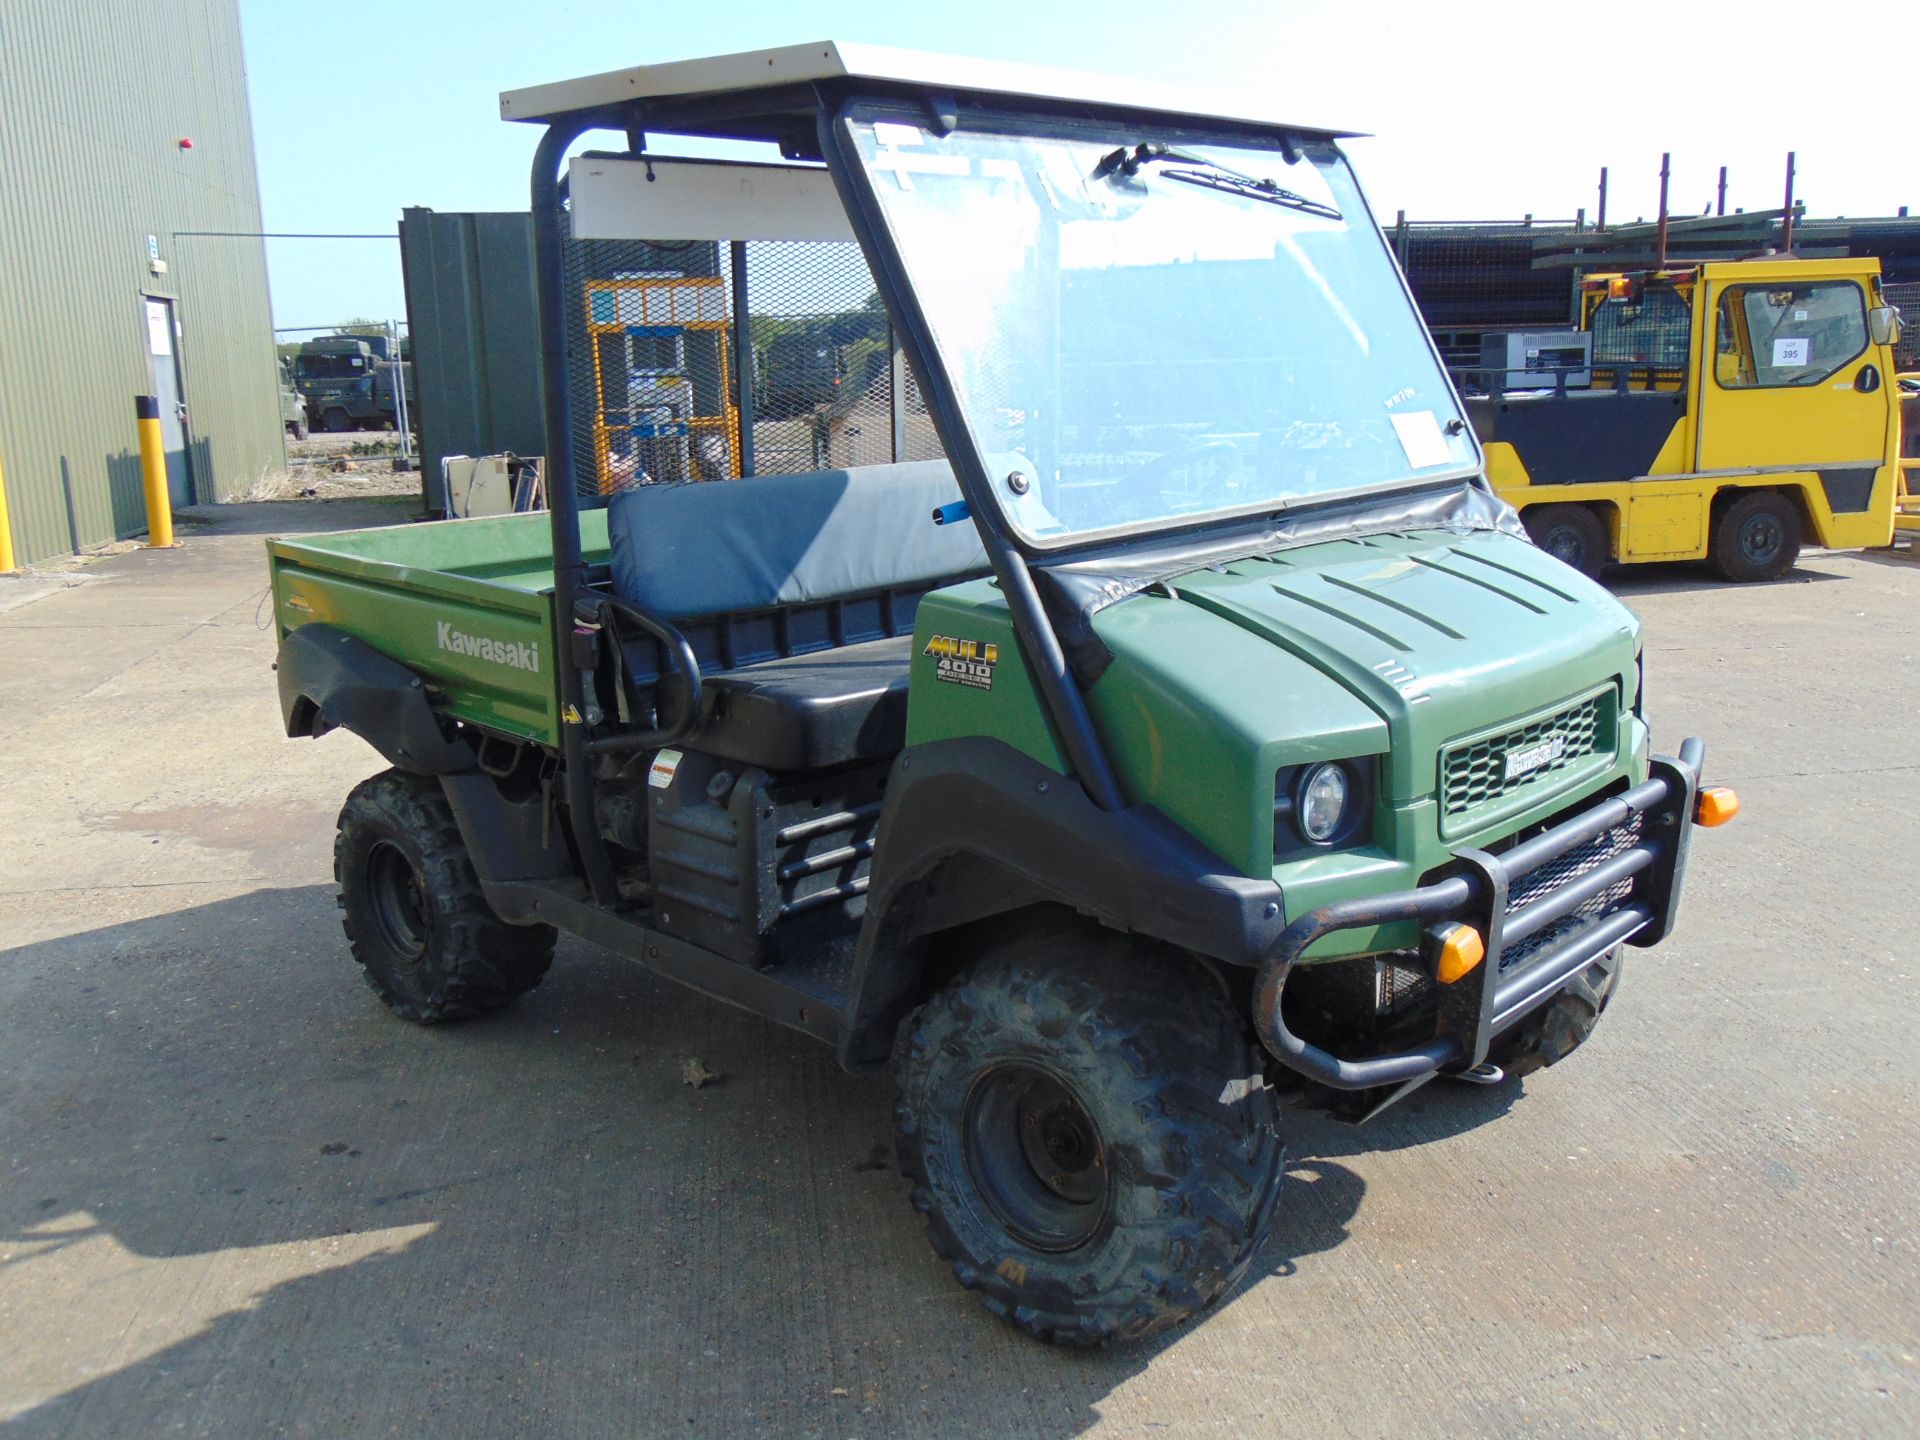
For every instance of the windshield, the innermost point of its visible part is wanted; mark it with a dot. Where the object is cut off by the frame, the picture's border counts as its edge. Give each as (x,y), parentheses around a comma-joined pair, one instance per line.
(1142,332)
(329,367)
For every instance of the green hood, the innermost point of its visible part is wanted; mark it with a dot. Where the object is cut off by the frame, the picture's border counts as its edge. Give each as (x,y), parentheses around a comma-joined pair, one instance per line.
(1393,646)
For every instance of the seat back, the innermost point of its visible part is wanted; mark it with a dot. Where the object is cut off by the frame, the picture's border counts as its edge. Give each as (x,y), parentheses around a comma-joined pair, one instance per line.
(725,547)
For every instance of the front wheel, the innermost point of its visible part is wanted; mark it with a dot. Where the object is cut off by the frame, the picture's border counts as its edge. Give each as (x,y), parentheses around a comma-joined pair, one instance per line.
(1087,1133)
(1562,1025)
(1757,537)
(427,941)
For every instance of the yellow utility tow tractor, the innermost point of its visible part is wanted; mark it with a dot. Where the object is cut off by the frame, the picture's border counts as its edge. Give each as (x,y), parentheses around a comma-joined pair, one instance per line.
(1728,411)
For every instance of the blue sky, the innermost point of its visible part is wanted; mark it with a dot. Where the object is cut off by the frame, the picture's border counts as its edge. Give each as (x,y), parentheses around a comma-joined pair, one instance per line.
(363,107)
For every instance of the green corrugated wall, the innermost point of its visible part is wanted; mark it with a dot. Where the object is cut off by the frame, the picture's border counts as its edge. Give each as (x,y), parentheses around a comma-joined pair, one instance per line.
(94,99)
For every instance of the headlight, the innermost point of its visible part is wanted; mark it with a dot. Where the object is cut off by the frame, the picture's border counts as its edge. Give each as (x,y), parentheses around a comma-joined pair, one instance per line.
(1322,804)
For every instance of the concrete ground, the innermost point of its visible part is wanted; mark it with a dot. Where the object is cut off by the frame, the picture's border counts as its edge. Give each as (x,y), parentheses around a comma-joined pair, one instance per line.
(238,1198)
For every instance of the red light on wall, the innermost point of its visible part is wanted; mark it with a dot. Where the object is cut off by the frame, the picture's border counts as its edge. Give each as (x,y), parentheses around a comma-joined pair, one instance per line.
(185,144)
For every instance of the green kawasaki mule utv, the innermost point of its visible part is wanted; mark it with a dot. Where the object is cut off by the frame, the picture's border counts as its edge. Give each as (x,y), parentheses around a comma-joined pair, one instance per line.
(1170,725)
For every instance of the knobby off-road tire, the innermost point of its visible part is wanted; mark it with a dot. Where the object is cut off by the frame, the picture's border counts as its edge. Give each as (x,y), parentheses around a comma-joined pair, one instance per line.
(1562,1025)
(415,917)
(1077,1124)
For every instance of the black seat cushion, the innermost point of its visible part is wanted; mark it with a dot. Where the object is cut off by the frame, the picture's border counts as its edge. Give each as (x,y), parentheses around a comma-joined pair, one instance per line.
(807,712)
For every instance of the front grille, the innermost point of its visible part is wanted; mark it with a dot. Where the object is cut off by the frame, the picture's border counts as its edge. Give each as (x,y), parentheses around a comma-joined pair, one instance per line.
(1473,773)
(1536,885)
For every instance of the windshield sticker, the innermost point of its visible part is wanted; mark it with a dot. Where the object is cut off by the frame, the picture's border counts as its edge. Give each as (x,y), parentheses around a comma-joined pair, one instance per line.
(1420,437)
(964,662)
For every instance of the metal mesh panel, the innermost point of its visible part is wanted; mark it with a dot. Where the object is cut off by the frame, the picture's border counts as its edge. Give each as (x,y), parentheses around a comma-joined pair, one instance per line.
(665,391)
(1475,773)
(1906,296)
(822,358)
(648,330)
(1538,884)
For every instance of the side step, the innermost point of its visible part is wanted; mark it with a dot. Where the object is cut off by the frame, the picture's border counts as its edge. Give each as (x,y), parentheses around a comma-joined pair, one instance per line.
(812,1010)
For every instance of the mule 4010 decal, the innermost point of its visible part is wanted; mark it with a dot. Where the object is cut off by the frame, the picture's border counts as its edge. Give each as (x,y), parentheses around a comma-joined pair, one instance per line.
(964,662)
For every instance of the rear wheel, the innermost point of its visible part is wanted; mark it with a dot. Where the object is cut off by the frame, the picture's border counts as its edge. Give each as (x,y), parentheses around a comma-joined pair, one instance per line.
(1087,1134)
(1757,537)
(1573,534)
(416,919)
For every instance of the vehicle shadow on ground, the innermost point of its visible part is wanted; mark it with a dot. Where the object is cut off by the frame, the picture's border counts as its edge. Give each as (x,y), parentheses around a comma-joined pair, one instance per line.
(1681,577)
(241,1198)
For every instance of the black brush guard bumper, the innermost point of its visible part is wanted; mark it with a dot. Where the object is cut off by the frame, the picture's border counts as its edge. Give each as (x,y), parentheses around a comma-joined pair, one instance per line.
(1625,892)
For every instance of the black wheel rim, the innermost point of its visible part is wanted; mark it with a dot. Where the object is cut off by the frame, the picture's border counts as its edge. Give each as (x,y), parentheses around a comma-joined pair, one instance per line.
(1037,1157)
(1563,544)
(398,900)
(1761,539)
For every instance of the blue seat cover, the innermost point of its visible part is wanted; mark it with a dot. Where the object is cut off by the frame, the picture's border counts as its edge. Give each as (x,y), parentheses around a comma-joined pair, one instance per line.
(722,547)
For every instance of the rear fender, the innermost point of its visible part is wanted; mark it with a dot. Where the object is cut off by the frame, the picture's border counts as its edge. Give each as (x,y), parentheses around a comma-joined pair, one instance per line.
(330,679)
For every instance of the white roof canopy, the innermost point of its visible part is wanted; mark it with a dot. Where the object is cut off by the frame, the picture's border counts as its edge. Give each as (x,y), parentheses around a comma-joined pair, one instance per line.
(839,60)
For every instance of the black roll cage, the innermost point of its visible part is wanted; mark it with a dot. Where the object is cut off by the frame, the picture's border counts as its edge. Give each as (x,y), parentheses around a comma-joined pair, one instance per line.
(805,122)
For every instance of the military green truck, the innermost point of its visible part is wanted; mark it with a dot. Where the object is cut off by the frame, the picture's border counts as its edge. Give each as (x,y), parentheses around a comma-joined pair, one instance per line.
(293,408)
(352,382)
(1200,737)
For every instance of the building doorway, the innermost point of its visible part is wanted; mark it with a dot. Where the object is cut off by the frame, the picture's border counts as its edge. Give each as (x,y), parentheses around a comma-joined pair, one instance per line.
(163,349)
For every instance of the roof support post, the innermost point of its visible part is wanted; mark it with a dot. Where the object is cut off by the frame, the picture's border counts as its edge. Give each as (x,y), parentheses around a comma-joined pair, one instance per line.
(563,502)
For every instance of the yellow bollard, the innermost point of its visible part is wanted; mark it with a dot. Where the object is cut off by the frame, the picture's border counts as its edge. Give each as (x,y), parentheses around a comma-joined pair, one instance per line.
(153,472)
(6,528)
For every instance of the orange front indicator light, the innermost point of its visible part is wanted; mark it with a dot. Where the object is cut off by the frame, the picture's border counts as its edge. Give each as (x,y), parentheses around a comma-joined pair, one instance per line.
(1717,805)
(1460,952)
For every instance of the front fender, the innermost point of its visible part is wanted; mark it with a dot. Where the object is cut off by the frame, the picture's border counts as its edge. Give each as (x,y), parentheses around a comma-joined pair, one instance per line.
(331,679)
(973,828)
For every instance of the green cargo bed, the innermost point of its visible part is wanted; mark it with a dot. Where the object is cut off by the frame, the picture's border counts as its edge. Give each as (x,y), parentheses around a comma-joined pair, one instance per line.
(466,604)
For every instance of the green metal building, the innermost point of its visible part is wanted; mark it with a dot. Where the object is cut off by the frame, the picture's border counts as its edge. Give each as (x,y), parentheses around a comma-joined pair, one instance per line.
(124,125)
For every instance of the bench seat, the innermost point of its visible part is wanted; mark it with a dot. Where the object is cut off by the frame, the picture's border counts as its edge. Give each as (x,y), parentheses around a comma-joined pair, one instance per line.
(722,554)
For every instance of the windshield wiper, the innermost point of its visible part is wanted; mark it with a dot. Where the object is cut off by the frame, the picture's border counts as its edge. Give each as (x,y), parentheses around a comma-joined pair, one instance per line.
(1209,174)
(1253,189)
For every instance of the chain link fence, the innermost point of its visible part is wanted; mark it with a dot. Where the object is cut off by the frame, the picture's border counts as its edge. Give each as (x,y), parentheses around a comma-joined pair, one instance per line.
(1470,279)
